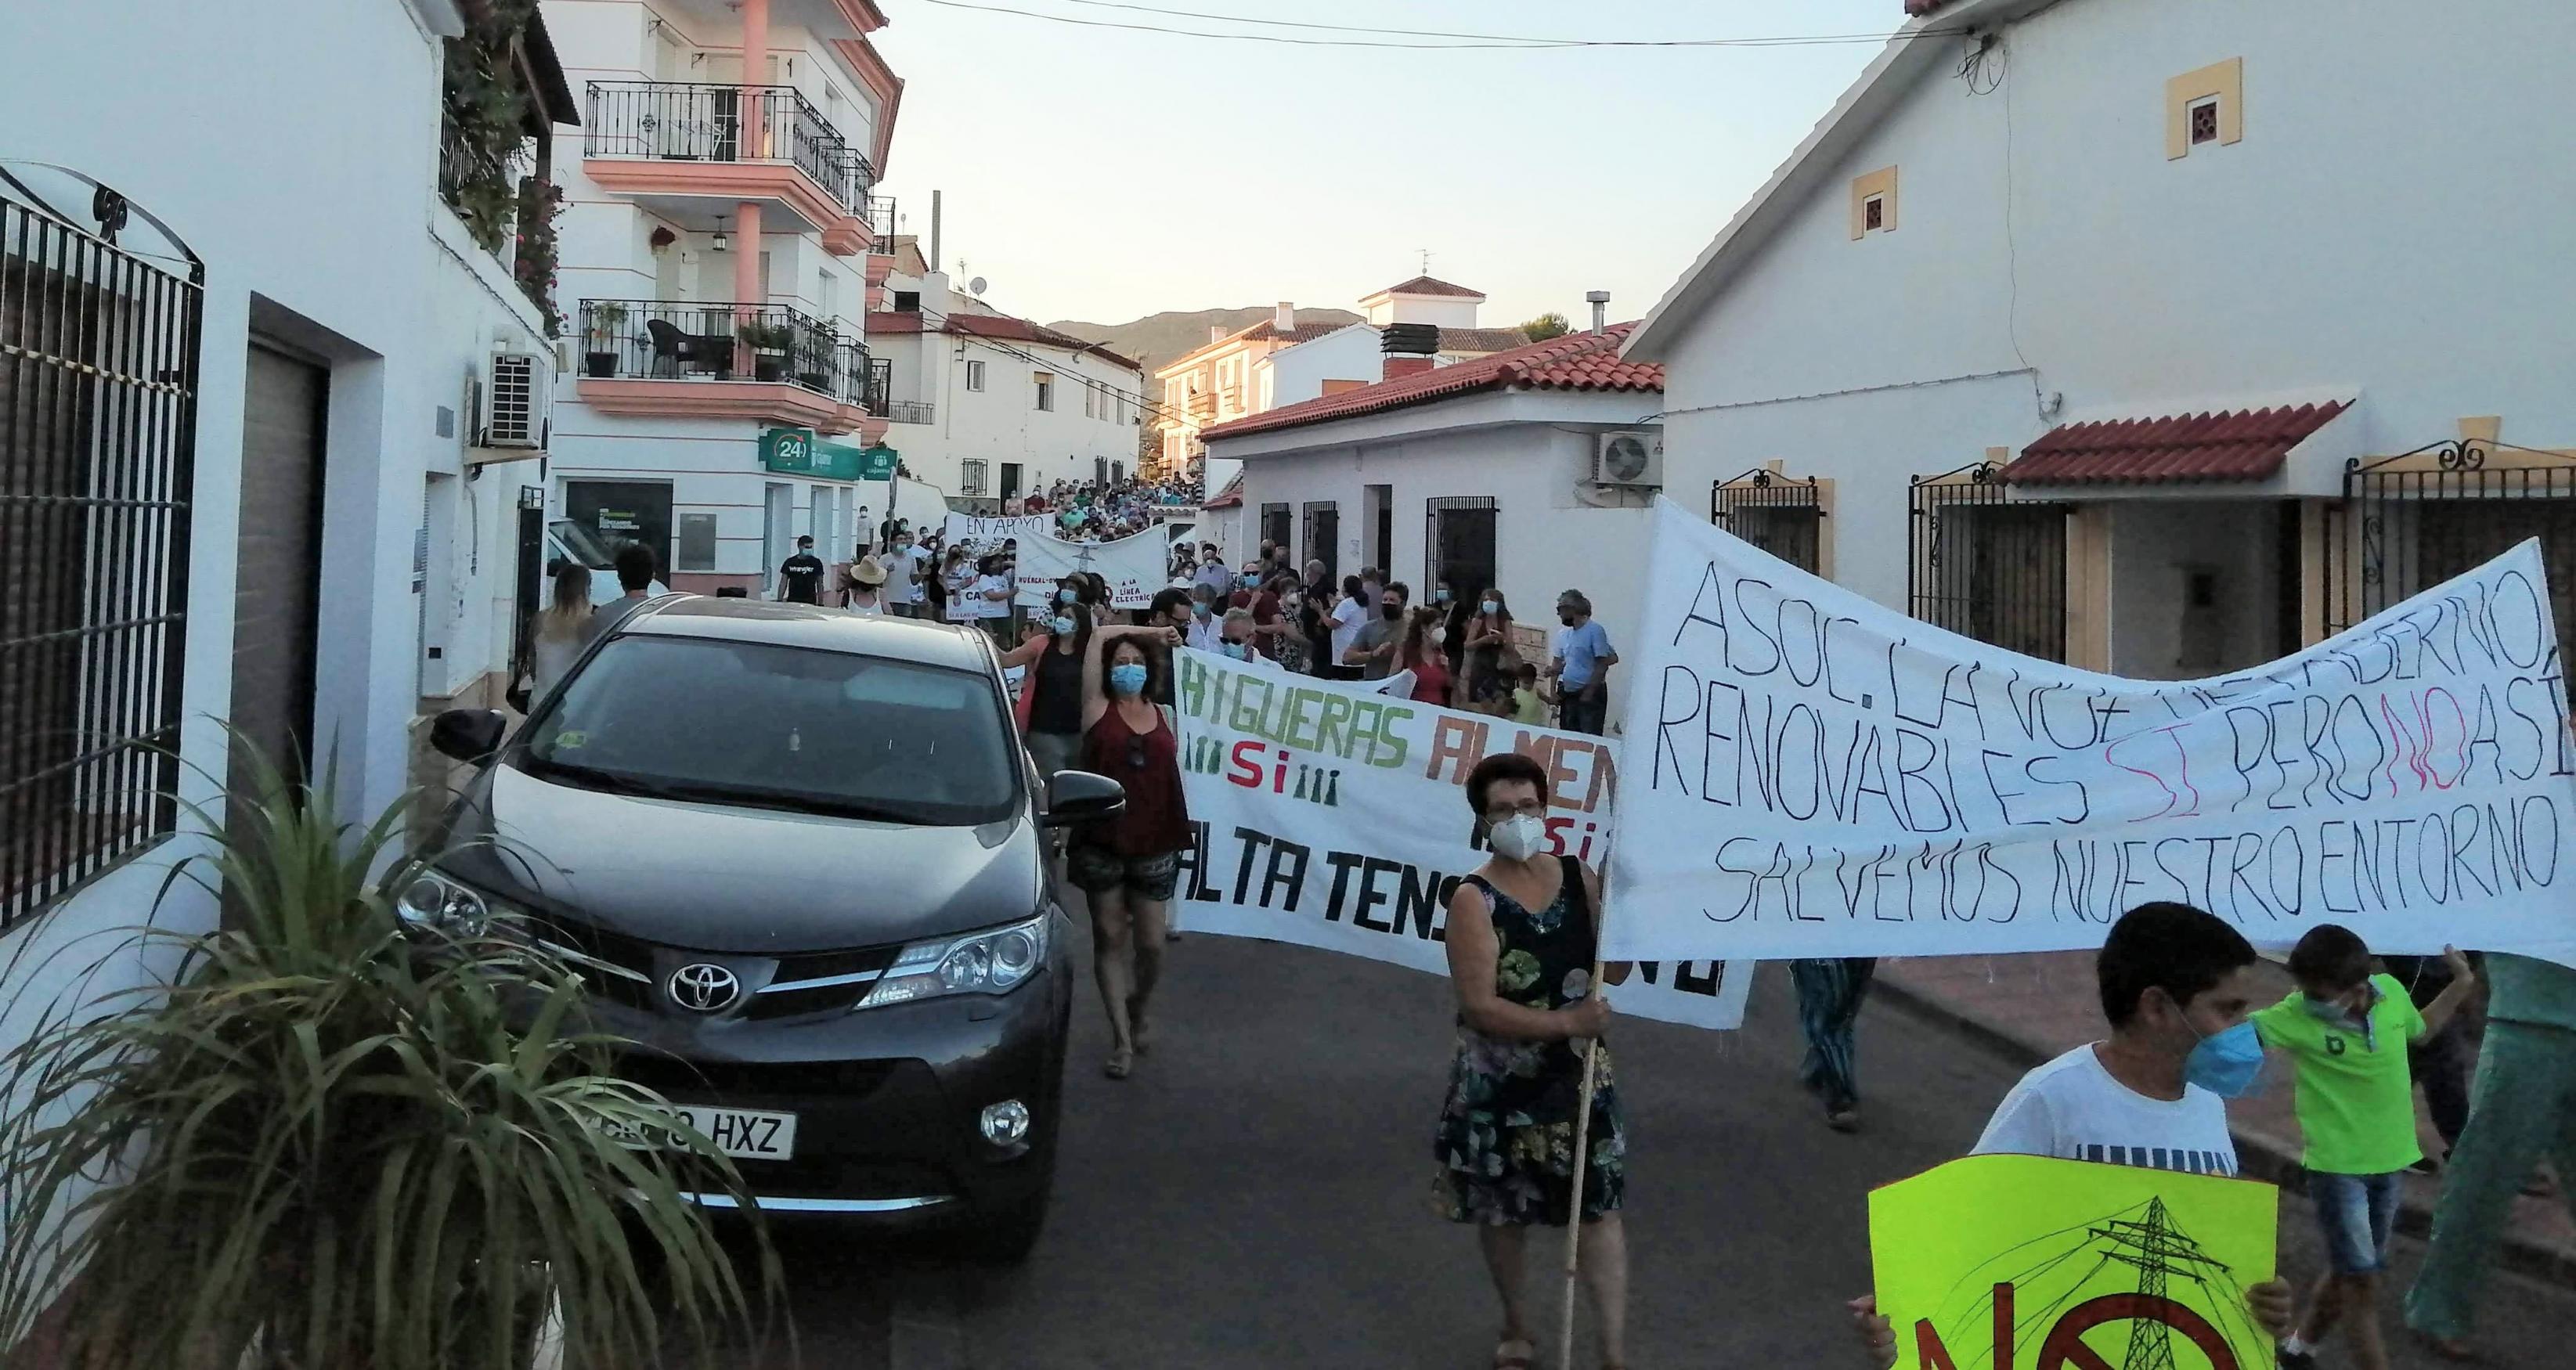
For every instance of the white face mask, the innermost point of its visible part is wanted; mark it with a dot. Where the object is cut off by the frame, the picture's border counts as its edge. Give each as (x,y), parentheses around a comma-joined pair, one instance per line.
(1519,837)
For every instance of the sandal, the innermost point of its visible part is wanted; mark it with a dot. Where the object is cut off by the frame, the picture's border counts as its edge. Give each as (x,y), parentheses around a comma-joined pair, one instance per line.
(1507,1359)
(1121,1064)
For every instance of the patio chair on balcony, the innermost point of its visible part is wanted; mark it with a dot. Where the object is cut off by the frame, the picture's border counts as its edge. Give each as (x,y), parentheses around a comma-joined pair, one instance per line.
(673,350)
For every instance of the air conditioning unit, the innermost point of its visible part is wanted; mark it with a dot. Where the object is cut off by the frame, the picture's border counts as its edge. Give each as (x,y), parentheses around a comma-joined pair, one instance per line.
(1634,458)
(512,406)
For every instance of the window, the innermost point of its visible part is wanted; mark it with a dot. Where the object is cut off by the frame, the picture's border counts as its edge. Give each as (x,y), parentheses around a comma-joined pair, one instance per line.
(2205,108)
(1045,391)
(1089,398)
(972,476)
(1873,203)
(696,550)
(1276,523)
(907,302)
(98,426)
(1458,543)
(1324,535)
(974,375)
(827,296)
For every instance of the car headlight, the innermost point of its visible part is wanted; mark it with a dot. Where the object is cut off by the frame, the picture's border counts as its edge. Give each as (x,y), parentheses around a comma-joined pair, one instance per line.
(431,899)
(994,962)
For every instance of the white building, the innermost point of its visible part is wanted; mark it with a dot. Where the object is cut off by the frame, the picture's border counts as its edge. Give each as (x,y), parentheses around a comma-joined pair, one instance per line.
(990,407)
(717,258)
(1486,474)
(2158,338)
(244,472)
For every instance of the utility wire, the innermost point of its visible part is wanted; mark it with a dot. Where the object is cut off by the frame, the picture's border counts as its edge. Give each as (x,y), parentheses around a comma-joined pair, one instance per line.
(1469,42)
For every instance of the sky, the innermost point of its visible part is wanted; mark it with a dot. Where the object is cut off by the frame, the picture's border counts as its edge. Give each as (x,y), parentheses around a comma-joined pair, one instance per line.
(1103,174)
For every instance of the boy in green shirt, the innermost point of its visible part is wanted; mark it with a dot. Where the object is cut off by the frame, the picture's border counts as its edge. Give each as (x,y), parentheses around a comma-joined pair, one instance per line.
(2347,1028)
(1528,705)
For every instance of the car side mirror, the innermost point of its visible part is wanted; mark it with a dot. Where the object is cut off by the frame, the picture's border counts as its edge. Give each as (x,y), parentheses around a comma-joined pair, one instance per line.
(1080,797)
(470,735)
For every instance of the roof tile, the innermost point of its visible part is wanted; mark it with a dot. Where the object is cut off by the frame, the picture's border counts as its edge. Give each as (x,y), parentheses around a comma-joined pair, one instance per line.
(2235,445)
(1577,361)
(1429,285)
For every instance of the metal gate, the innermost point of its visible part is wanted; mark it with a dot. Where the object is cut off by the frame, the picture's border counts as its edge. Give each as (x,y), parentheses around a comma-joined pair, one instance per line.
(1324,536)
(1277,525)
(1776,513)
(2414,520)
(1985,565)
(1458,540)
(99,346)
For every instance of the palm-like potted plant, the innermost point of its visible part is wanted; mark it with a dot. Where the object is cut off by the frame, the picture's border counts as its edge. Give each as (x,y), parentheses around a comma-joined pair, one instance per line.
(334,1138)
(607,325)
(769,343)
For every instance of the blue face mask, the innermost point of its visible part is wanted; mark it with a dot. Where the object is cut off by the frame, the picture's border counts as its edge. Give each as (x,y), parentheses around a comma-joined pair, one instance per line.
(1127,678)
(2225,1063)
(1066,596)
(1491,607)
(1062,627)
(1239,651)
(1200,608)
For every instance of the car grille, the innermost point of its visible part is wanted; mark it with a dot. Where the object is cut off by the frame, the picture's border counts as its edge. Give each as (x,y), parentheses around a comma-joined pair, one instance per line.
(748,1083)
(852,973)
(847,975)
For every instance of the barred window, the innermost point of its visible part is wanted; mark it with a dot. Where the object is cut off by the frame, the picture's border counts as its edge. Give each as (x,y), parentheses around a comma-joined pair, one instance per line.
(98,419)
(972,476)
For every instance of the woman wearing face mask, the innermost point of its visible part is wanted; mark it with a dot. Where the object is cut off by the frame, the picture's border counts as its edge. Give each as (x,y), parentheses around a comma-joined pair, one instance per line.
(1050,703)
(1491,662)
(1420,653)
(1521,947)
(956,576)
(1126,866)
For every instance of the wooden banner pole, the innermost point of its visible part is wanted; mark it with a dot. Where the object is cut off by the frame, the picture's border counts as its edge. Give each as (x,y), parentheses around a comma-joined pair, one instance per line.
(1583,1131)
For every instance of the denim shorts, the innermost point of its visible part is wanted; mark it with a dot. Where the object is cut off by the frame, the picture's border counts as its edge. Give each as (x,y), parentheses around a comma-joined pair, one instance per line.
(2356,1213)
(1098,870)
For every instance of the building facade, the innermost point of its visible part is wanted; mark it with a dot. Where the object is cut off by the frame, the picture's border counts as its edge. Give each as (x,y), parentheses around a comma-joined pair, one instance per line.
(257,469)
(990,407)
(2113,333)
(1483,475)
(718,249)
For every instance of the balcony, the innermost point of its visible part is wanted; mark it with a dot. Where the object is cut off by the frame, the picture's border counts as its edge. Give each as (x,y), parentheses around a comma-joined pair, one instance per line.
(717,360)
(865,383)
(691,151)
(912,411)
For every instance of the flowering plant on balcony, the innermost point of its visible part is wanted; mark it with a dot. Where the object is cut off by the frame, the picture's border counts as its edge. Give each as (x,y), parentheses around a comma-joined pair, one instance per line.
(540,204)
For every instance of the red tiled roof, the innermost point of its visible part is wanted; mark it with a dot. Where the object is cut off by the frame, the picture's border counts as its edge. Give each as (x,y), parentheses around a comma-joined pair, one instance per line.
(2243,445)
(1228,498)
(1263,331)
(1001,326)
(1426,285)
(1577,361)
(1481,339)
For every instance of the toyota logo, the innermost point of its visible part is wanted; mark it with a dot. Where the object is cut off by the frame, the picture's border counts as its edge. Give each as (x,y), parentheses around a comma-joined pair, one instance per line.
(704,987)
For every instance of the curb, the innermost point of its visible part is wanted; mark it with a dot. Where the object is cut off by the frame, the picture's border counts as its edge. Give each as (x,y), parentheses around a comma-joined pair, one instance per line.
(2260,1155)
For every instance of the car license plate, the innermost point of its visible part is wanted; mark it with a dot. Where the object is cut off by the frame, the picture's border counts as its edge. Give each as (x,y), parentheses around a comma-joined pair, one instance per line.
(741,1133)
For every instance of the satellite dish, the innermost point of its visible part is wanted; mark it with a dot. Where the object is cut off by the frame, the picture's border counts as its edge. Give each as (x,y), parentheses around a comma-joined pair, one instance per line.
(975,286)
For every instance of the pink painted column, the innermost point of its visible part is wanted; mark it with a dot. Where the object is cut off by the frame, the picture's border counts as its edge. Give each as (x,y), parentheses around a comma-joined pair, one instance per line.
(755,144)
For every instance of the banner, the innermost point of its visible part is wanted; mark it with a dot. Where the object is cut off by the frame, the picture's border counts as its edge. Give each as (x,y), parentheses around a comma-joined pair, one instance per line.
(1330,815)
(1135,567)
(1809,774)
(1996,1262)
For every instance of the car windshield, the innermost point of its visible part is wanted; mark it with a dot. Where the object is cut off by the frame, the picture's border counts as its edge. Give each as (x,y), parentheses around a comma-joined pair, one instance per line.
(583,545)
(784,727)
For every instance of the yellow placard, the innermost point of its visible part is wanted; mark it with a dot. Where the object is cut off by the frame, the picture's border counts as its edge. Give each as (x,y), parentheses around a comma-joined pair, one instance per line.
(2028,1263)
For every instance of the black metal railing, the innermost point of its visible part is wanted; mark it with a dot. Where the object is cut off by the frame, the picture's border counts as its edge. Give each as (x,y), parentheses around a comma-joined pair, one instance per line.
(2409,522)
(715,340)
(696,122)
(912,411)
(1982,563)
(98,420)
(882,225)
(1780,514)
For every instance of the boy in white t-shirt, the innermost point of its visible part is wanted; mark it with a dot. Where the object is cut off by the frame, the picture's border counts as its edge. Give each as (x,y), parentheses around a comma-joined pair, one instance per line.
(2177,984)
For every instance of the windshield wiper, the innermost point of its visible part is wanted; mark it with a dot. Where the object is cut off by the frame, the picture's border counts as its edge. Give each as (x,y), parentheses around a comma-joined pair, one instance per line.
(616,782)
(829,806)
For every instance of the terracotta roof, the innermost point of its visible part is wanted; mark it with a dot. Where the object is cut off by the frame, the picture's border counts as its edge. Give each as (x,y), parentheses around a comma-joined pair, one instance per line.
(1263,331)
(2243,445)
(1577,361)
(1426,285)
(1229,497)
(1481,339)
(1000,326)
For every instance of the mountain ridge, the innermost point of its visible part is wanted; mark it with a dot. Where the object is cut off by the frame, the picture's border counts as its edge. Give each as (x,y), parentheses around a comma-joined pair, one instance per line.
(1157,339)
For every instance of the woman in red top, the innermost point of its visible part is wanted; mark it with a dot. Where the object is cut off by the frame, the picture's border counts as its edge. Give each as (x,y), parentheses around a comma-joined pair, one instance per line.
(1420,653)
(1127,865)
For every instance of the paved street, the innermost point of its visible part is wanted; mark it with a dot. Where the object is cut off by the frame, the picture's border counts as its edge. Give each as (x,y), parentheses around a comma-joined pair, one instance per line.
(1255,1196)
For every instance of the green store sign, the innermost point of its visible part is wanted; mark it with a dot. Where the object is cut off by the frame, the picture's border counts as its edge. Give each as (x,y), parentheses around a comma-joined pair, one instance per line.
(796,452)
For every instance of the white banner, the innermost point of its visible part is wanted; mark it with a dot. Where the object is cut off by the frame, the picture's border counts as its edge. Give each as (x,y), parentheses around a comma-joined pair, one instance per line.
(1810,774)
(1135,567)
(1329,815)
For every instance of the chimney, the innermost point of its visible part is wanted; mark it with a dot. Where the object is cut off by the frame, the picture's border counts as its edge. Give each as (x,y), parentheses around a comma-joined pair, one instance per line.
(1284,318)
(1600,302)
(1408,348)
(1216,332)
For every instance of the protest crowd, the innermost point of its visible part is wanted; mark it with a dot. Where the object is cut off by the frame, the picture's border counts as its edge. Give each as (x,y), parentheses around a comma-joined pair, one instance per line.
(1531,1087)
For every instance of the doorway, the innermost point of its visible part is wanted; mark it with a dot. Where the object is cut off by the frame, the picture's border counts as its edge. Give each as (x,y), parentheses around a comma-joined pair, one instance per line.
(618,512)
(1379,502)
(277,589)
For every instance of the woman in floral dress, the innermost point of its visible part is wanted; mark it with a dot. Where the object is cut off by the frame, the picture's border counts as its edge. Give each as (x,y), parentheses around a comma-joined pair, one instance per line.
(1521,947)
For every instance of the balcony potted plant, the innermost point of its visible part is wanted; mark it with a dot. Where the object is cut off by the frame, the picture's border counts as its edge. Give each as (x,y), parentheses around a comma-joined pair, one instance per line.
(607,322)
(769,343)
(338,1131)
